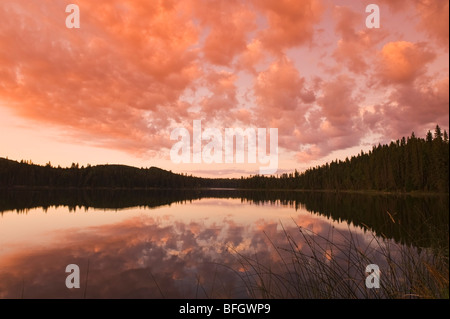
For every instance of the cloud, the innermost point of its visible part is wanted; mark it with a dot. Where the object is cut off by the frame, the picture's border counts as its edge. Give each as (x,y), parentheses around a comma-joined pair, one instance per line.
(416,101)
(279,88)
(137,69)
(402,61)
(315,129)
(336,124)
(253,55)
(289,23)
(434,17)
(282,101)
(417,107)
(119,81)
(105,78)
(222,97)
(355,47)
(227,23)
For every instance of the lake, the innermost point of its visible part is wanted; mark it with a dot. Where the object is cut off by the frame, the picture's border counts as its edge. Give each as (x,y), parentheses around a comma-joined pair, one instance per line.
(213,243)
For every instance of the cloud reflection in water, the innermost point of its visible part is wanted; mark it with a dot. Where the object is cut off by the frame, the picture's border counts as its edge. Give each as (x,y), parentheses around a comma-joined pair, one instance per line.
(159,257)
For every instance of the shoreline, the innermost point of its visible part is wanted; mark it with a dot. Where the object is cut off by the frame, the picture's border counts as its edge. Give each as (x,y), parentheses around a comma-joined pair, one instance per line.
(362,192)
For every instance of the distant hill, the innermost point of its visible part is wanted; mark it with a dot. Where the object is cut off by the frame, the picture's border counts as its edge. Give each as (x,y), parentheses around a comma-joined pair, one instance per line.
(408,164)
(25,174)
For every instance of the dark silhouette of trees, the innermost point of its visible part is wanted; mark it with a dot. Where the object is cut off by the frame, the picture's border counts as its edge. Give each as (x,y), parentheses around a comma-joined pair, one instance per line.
(408,164)
(25,174)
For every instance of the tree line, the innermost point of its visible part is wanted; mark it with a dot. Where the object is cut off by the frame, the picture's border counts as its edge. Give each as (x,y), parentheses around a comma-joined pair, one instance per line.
(26,174)
(408,164)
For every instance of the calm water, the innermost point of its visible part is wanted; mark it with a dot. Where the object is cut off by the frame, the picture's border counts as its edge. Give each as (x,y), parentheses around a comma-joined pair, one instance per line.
(192,244)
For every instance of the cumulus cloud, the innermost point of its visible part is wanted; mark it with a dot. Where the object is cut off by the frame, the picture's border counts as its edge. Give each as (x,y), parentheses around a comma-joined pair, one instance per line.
(278,88)
(103,79)
(417,107)
(336,124)
(136,69)
(402,62)
(311,129)
(416,101)
(356,45)
(252,56)
(434,16)
(435,19)
(289,22)
(227,24)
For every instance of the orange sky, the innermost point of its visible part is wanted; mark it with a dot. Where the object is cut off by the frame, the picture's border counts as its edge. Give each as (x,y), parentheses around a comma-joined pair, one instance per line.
(113,90)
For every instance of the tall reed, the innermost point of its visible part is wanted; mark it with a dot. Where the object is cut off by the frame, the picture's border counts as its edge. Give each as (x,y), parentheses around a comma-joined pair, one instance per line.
(310,265)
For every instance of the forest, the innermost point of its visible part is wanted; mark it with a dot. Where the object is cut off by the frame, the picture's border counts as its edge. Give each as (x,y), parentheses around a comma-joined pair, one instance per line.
(408,164)
(405,165)
(26,174)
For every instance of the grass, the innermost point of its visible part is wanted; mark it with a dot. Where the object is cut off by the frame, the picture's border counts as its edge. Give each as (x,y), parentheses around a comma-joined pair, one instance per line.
(312,266)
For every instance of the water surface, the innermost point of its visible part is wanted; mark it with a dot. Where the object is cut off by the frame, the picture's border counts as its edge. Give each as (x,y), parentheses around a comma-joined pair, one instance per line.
(190,244)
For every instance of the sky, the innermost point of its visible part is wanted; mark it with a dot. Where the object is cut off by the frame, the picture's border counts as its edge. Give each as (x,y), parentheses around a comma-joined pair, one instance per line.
(113,90)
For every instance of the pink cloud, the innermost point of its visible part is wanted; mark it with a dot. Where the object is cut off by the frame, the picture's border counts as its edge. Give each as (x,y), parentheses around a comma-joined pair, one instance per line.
(223,94)
(417,102)
(279,88)
(402,61)
(312,129)
(417,107)
(102,79)
(227,24)
(435,19)
(253,54)
(434,16)
(356,46)
(136,69)
(336,125)
(290,22)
